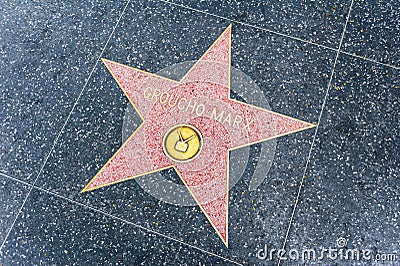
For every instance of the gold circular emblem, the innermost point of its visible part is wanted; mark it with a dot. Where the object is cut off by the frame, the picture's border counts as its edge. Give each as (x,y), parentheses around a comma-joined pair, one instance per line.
(182,143)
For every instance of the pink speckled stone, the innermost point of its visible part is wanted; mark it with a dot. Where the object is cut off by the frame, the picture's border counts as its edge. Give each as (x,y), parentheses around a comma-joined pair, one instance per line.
(159,101)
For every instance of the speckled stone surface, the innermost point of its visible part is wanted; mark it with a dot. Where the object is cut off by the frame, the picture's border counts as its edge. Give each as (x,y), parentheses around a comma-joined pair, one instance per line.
(11,196)
(351,189)
(316,21)
(373,31)
(200,99)
(52,231)
(47,52)
(94,132)
(352,186)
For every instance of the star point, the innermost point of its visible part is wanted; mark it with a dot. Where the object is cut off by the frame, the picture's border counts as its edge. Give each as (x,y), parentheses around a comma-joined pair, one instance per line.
(200,102)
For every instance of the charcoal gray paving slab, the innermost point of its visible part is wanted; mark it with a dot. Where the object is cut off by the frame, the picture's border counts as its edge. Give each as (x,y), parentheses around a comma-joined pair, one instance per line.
(351,190)
(12,195)
(293,77)
(373,31)
(320,22)
(47,50)
(53,231)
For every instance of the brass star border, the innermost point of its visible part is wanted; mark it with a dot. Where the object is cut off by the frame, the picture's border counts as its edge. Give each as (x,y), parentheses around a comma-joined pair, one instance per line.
(201,102)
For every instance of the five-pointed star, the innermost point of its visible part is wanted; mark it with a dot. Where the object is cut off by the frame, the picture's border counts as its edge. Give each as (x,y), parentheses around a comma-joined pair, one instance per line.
(201,99)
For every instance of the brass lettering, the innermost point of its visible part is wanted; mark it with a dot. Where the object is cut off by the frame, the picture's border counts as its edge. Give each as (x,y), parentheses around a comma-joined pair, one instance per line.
(247,126)
(170,98)
(214,115)
(181,100)
(191,106)
(147,92)
(156,94)
(227,119)
(238,119)
(200,109)
(165,99)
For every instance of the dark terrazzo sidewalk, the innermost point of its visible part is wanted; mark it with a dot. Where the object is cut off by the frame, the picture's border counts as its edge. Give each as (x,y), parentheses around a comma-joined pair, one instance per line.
(289,49)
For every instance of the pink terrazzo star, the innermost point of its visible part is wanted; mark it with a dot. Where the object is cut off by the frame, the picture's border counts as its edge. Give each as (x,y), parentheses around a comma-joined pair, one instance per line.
(200,99)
